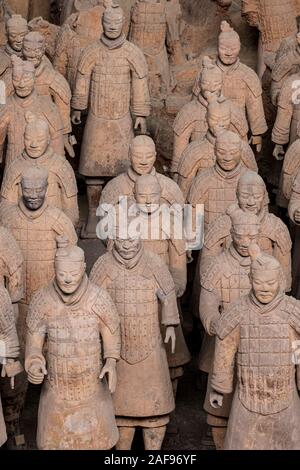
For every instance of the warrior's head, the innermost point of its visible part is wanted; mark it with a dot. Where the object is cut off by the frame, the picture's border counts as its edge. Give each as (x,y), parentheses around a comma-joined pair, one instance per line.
(142,154)
(34,185)
(36,136)
(23,76)
(147,192)
(218,115)
(70,266)
(228,148)
(266,275)
(34,47)
(251,192)
(126,233)
(113,20)
(229,44)
(244,230)
(16,29)
(210,79)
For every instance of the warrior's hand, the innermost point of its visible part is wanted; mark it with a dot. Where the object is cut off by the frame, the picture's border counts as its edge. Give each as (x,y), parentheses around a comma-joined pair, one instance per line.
(170,334)
(216,399)
(76,117)
(256,140)
(68,146)
(278,152)
(140,123)
(110,369)
(297,216)
(36,372)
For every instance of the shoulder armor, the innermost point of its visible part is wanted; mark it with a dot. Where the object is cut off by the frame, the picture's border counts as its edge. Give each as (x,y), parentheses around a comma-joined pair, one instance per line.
(170,190)
(105,309)
(238,120)
(252,81)
(7,318)
(11,176)
(231,317)
(66,174)
(112,190)
(87,58)
(37,309)
(292,307)
(210,276)
(137,59)
(248,157)
(191,156)
(62,224)
(286,92)
(283,65)
(10,251)
(102,268)
(279,233)
(190,113)
(5,62)
(61,87)
(199,186)
(51,113)
(218,229)
(160,271)
(291,161)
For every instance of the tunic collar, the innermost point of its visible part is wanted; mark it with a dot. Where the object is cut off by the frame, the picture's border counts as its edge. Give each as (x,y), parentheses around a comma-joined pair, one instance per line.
(131,263)
(263,309)
(228,68)
(228,174)
(113,43)
(244,261)
(42,159)
(72,299)
(32,214)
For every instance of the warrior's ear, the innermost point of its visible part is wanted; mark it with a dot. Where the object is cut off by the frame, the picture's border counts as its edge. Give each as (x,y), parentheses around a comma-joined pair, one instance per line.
(30,117)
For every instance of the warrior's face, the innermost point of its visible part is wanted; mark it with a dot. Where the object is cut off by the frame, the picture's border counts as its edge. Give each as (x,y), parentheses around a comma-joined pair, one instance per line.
(251,198)
(23,82)
(16,34)
(142,159)
(37,140)
(127,247)
(33,52)
(113,22)
(147,196)
(265,284)
(34,192)
(218,118)
(228,155)
(243,236)
(211,88)
(69,274)
(228,49)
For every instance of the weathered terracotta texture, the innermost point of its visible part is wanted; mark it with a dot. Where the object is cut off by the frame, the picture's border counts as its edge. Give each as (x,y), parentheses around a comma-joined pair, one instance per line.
(266,409)
(5,13)
(168,245)
(274,237)
(154,27)
(62,187)
(290,167)
(16,30)
(8,338)
(80,30)
(142,155)
(225,280)
(48,82)
(200,155)
(50,32)
(75,409)
(110,72)
(24,99)
(191,123)
(141,286)
(11,265)
(267,16)
(294,211)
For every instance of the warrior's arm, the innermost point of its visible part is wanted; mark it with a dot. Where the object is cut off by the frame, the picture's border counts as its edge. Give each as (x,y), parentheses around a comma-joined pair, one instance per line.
(294,204)
(70,207)
(4,124)
(224,361)
(180,143)
(80,98)
(140,103)
(256,114)
(285,259)
(209,310)
(282,126)
(111,341)
(60,60)
(62,100)
(177,265)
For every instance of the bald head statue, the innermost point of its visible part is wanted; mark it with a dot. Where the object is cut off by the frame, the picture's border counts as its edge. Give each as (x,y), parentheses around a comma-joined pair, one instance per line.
(34,185)
(142,154)
(228,148)
(218,115)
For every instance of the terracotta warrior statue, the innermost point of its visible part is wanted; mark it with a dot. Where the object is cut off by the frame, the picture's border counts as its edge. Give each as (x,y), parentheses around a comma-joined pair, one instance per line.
(225,280)
(35,226)
(142,155)
(5,13)
(290,167)
(257,336)
(274,237)
(154,27)
(200,155)
(50,83)
(79,31)
(294,214)
(9,350)
(285,130)
(161,239)
(240,83)
(82,328)
(62,186)
(111,82)
(24,99)
(275,20)
(144,293)
(215,187)
(191,122)
(16,30)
